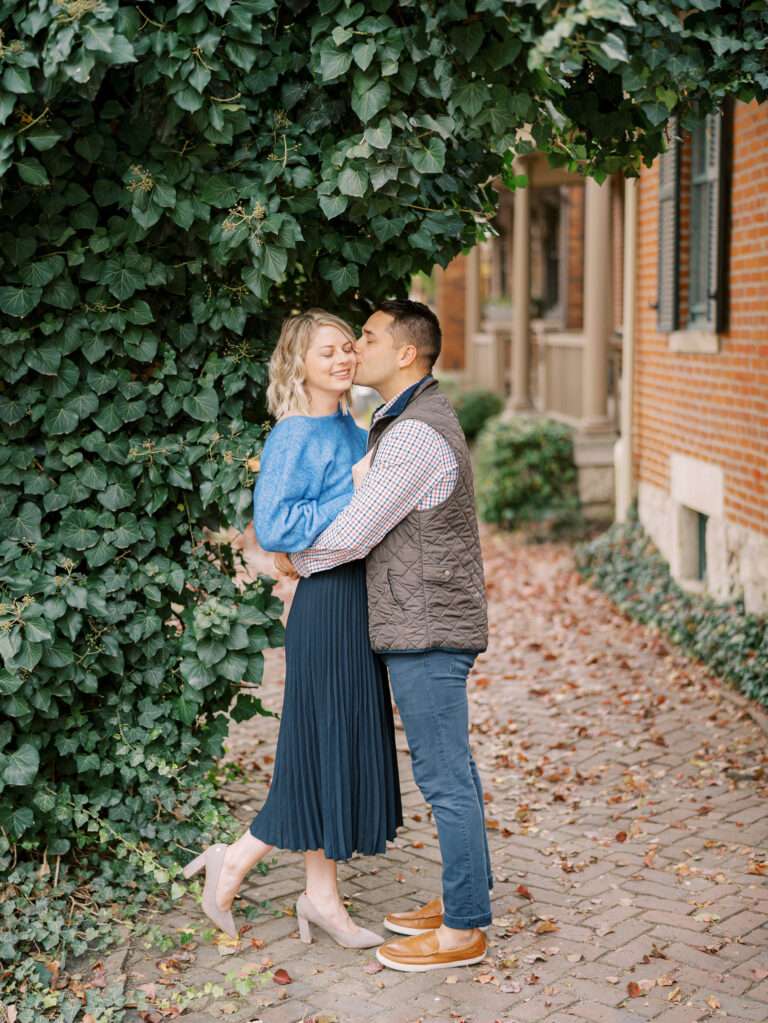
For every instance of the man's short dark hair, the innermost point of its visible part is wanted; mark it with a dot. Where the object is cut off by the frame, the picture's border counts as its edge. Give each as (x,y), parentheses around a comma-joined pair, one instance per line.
(415,324)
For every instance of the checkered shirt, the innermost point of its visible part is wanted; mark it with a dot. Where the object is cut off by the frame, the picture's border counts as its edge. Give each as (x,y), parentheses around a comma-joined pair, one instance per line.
(415,468)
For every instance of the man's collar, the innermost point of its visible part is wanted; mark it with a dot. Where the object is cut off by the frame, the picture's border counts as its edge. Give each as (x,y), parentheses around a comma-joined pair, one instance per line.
(396,405)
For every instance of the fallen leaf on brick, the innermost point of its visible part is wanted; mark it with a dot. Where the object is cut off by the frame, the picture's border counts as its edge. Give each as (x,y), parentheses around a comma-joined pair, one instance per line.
(675,995)
(759,868)
(282,977)
(633,989)
(620,836)
(612,980)
(712,1002)
(513,987)
(665,980)
(452,979)
(227,1008)
(650,856)
(533,978)
(523,892)
(257,943)
(373,967)
(484,978)
(546,927)
(574,957)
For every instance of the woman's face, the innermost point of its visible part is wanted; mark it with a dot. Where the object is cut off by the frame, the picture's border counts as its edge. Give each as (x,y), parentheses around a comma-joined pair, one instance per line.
(330,361)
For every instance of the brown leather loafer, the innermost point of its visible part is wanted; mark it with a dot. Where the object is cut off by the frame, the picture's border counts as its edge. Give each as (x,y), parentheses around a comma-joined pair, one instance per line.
(416,921)
(422,952)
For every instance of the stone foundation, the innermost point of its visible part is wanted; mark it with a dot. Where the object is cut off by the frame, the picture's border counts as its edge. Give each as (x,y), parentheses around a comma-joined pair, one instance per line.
(736,557)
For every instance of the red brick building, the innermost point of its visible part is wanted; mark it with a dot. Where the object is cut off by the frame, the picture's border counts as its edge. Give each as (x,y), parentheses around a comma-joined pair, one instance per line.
(637,312)
(700,382)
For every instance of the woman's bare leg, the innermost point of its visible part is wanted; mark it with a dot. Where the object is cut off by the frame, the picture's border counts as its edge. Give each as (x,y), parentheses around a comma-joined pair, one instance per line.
(240,857)
(322,889)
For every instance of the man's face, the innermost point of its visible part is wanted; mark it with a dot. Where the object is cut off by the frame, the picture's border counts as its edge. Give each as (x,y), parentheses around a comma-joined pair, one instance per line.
(378,359)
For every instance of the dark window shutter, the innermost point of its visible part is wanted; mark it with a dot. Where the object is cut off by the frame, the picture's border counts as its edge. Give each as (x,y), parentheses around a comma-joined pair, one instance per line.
(708,228)
(667,298)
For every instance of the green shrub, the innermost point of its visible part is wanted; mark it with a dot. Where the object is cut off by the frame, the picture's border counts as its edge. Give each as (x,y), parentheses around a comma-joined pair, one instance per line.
(626,565)
(525,473)
(475,408)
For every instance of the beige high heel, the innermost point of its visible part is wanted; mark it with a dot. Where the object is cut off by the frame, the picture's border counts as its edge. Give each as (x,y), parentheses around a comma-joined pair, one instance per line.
(212,859)
(307,912)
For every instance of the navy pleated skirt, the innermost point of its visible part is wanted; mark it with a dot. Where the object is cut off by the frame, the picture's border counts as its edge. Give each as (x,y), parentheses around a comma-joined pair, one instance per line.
(335,784)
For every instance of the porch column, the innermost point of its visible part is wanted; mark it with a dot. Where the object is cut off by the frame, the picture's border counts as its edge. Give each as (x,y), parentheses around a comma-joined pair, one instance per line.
(598,305)
(520,399)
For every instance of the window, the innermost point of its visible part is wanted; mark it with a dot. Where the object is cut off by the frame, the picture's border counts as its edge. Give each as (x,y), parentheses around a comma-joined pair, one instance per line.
(668,289)
(705,283)
(701,531)
(696,166)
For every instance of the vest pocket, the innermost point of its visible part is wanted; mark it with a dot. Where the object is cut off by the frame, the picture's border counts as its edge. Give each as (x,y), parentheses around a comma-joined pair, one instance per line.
(393,594)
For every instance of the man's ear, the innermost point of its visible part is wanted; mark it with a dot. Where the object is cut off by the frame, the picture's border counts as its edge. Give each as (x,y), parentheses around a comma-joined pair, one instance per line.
(407,355)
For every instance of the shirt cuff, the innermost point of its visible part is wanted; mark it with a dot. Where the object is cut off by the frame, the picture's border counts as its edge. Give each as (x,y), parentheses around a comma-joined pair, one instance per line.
(302,562)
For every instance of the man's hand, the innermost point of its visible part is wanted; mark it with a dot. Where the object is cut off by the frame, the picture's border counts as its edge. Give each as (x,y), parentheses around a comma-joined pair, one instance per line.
(284,565)
(360,470)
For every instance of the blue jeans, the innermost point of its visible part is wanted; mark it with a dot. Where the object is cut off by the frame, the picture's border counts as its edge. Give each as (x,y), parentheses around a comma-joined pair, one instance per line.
(430,690)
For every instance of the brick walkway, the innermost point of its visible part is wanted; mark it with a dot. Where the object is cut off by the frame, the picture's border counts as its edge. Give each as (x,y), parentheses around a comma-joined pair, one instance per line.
(626,799)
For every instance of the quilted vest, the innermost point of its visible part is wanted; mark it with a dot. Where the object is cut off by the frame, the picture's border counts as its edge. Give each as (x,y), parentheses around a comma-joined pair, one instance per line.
(426,586)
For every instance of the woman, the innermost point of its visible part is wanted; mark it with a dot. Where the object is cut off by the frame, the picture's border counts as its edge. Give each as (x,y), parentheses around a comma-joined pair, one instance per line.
(335,787)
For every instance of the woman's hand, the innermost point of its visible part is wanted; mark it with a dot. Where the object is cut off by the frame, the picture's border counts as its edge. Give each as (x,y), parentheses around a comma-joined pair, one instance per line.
(360,470)
(284,565)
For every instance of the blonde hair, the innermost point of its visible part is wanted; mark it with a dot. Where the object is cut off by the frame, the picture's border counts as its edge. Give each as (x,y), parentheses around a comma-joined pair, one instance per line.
(286,392)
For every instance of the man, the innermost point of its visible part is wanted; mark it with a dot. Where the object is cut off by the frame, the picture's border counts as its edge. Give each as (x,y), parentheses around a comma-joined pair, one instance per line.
(413,518)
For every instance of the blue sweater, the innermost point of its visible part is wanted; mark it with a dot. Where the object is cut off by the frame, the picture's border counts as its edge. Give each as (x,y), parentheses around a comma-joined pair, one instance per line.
(305,479)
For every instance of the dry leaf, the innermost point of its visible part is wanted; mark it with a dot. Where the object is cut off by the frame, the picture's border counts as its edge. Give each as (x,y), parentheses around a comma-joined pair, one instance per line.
(452,979)
(665,980)
(712,1002)
(512,988)
(484,978)
(281,977)
(621,836)
(633,989)
(523,891)
(675,995)
(612,980)
(546,927)
(254,464)
(373,967)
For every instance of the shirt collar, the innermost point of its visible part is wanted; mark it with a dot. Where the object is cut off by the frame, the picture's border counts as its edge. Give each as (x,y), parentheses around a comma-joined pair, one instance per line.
(395,405)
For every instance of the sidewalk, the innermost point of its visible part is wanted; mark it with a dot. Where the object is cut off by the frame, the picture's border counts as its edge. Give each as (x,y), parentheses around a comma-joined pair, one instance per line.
(627,814)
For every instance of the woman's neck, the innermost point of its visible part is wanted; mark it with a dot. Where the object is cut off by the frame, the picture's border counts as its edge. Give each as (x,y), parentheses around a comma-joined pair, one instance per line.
(322,403)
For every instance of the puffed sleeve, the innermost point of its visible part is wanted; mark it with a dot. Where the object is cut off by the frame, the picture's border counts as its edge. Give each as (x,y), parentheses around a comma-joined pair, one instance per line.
(289,511)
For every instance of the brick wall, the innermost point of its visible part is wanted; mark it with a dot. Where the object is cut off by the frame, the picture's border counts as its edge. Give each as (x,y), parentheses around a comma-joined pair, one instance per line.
(450,312)
(713,407)
(573,205)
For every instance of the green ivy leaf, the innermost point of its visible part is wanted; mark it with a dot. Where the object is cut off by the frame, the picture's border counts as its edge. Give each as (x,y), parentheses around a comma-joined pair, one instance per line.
(203,405)
(431,158)
(353,181)
(21,766)
(19,301)
(371,102)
